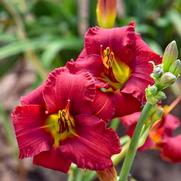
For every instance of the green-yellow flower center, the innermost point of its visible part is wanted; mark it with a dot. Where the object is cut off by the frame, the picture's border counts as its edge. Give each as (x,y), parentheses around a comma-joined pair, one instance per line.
(61,125)
(115,68)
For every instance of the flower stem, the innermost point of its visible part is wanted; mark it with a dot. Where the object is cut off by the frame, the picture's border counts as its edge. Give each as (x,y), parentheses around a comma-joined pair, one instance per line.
(134,143)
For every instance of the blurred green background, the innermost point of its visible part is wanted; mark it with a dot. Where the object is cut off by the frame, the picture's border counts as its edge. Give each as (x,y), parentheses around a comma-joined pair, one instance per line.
(53,29)
(39,35)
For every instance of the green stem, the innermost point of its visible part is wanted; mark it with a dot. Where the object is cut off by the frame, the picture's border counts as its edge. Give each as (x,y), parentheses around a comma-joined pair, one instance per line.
(117,158)
(134,144)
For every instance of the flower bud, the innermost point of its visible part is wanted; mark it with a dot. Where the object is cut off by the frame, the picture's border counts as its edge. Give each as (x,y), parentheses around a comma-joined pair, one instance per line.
(157,73)
(167,79)
(108,174)
(154,98)
(106,13)
(175,68)
(161,95)
(150,94)
(153,90)
(170,55)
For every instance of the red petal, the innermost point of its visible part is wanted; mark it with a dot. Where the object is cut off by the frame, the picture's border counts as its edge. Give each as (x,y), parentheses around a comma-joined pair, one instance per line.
(83,53)
(141,70)
(129,122)
(91,63)
(125,104)
(52,159)
(149,144)
(169,124)
(62,86)
(28,122)
(136,87)
(49,91)
(171,149)
(144,53)
(103,106)
(34,97)
(93,145)
(120,40)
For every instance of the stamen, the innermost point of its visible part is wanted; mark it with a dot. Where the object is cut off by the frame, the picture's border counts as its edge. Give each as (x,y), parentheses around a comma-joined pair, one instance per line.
(107,56)
(62,124)
(67,108)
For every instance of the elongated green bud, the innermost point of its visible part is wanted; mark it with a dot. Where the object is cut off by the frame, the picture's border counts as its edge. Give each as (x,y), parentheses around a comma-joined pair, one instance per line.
(175,68)
(170,55)
(167,79)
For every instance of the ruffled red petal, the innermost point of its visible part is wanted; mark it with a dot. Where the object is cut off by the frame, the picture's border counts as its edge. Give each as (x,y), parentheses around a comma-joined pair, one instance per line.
(91,63)
(169,123)
(125,104)
(143,53)
(93,145)
(141,70)
(52,159)
(28,122)
(136,87)
(171,149)
(120,40)
(63,85)
(34,97)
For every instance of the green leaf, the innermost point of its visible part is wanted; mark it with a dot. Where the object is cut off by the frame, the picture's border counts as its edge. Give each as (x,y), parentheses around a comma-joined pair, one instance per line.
(56,46)
(21,46)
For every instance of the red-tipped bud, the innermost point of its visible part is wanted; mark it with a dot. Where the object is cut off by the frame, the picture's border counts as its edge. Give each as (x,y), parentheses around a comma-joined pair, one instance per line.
(109,174)
(106,13)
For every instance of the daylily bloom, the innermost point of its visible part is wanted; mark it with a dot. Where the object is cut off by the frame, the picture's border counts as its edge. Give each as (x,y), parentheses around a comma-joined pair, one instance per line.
(60,123)
(160,136)
(120,61)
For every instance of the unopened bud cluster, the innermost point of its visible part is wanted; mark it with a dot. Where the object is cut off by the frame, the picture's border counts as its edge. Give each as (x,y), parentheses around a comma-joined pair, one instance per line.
(164,74)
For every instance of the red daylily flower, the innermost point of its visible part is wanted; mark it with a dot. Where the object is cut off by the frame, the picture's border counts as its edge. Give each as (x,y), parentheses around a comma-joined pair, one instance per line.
(60,123)
(120,61)
(160,136)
